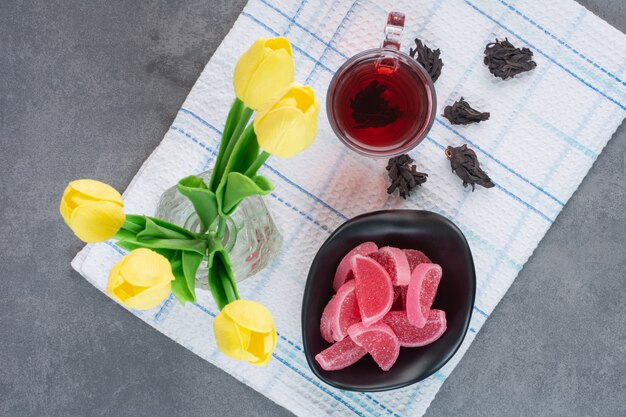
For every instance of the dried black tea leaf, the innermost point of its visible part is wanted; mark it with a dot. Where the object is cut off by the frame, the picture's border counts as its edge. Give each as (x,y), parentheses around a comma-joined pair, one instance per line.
(403,175)
(464,163)
(371,109)
(428,59)
(506,61)
(461,113)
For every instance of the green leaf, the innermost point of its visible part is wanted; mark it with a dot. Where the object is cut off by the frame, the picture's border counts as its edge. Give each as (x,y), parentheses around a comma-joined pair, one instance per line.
(179,285)
(124,234)
(153,230)
(203,199)
(127,245)
(217,289)
(184,267)
(191,263)
(232,120)
(234,141)
(133,224)
(237,187)
(244,154)
(234,115)
(174,227)
(137,223)
(168,253)
(181,288)
(221,279)
(158,235)
(198,246)
(258,162)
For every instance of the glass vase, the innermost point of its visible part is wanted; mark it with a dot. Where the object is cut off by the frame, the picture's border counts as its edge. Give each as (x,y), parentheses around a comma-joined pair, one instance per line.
(251,236)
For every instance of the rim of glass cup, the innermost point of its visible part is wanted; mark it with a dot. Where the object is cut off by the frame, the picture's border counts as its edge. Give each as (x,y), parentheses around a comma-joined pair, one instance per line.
(418,137)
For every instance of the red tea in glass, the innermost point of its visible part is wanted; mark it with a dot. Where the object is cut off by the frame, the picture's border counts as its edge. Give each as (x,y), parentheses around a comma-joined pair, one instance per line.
(381,102)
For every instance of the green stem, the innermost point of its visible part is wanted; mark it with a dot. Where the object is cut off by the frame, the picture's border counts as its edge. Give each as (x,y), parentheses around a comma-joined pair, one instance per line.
(234,115)
(221,228)
(224,156)
(131,227)
(260,160)
(233,118)
(228,289)
(246,114)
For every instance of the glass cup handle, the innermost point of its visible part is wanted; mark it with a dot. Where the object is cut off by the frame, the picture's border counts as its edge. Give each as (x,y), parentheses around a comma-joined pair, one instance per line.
(393,31)
(387,63)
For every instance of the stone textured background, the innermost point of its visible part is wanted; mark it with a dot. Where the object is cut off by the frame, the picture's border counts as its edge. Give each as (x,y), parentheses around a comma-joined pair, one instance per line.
(88,89)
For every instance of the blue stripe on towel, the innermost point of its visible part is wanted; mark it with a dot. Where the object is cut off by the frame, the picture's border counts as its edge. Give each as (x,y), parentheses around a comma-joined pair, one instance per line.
(561,41)
(570,72)
(500,187)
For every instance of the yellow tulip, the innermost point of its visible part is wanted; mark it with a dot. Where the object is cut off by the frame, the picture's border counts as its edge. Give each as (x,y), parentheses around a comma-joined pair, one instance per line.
(92,209)
(141,280)
(288,125)
(263,71)
(244,330)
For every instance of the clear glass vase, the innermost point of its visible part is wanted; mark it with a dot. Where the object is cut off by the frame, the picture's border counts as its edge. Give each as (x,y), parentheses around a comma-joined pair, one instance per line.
(251,236)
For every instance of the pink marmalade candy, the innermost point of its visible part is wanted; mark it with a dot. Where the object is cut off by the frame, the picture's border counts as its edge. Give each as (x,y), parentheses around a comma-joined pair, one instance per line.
(378,340)
(395,263)
(345,312)
(340,355)
(413,336)
(421,292)
(325,322)
(415,257)
(403,296)
(374,292)
(344,270)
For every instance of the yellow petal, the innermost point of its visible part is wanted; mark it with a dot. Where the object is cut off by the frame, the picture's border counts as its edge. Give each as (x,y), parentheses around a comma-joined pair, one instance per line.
(311,117)
(229,340)
(283,132)
(246,66)
(294,95)
(65,211)
(250,315)
(278,43)
(270,344)
(246,336)
(263,71)
(84,192)
(288,125)
(114,281)
(144,267)
(274,73)
(149,297)
(285,102)
(262,344)
(257,344)
(75,199)
(97,190)
(96,222)
(303,96)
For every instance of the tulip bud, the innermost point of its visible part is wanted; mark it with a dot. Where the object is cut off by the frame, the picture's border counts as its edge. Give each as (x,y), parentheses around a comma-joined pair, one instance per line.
(141,280)
(288,125)
(92,209)
(244,330)
(263,71)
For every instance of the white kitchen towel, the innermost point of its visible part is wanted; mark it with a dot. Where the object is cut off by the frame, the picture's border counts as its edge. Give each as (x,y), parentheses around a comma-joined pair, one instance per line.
(546,129)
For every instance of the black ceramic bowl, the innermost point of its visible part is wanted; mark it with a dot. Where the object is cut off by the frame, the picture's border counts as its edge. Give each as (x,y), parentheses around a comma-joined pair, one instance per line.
(438,238)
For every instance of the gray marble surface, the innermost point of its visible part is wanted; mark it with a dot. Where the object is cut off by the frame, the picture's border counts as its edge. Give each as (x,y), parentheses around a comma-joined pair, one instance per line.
(88,89)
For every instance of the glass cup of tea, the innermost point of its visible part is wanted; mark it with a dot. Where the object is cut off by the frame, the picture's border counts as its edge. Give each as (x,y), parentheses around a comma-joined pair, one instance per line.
(381,102)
